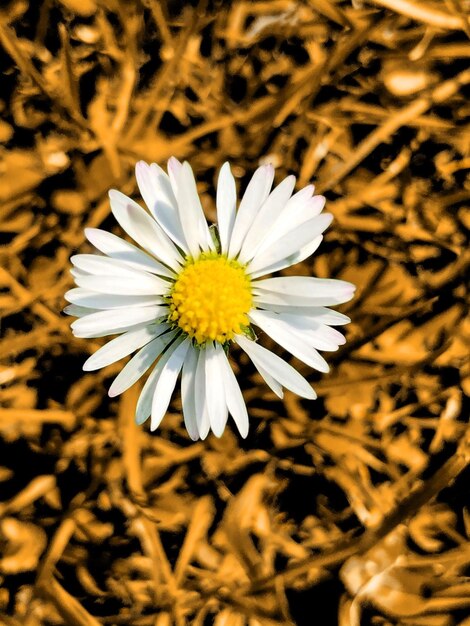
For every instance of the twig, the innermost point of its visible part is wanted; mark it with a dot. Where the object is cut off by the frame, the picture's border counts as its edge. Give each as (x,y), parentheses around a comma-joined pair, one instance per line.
(66,605)
(37,416)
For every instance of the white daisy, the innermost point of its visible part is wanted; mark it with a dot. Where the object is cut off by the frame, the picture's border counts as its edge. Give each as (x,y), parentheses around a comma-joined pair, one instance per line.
(186,293)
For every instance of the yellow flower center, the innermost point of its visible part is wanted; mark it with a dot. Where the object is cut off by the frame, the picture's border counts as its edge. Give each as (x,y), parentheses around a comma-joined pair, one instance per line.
(211,298)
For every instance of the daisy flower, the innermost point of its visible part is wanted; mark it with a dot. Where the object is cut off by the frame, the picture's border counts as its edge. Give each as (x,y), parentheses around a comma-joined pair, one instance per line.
(186,292)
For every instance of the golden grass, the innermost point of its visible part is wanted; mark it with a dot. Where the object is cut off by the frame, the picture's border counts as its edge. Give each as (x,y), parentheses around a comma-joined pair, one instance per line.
(349,510)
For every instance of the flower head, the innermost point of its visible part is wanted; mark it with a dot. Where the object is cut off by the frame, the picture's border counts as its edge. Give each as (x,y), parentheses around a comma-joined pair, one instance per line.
(184,294)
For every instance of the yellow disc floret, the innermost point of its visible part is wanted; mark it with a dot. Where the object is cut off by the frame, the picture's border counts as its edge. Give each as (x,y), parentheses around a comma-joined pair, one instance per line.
(211,298)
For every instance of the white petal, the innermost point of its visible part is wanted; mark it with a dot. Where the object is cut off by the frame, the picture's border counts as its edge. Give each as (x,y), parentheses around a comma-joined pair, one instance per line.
(270,300)
(92,335)
(192,217)
(118,248)
(144,229)
(79,311)
(76,273)
(318,313)
(295,343)
(235,402)
(281,371)
(169,218)
(215,396)
(144,403)
(115,321)
(146,188)
(291,242)
(226,205)
(299,199)
(265,217)
(145,285)
(315,334)
(270,381)
(320,335)
(104,266)
(291,218)
(122,346)
(296,257)
(93,300)
(256,193)
(166,383)
(202,414)
(304,288)
(174,168)
(188,399)
(139,364)
(155,188)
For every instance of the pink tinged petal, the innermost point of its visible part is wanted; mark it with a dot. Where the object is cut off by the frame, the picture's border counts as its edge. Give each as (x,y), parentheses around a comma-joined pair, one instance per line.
(144,403)
(215,396)
(202,414)
(117,248)
(291,242)
(139,364)
(290,219)
(124,285)
(144,229)
(188,395)
(297,257)
(301,290)
(115,321)
(192,217)
(276,367)
(155,188)
(93,300)
(265,217)
(233,396)
(226,205)
(293,342)
(166,383)
(256,193)
(122,346)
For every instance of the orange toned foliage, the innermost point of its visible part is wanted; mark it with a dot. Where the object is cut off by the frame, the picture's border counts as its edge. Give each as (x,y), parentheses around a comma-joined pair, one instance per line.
(350,510)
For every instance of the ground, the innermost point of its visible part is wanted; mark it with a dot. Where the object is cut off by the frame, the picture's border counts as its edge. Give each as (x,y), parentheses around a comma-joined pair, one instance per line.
(349,510)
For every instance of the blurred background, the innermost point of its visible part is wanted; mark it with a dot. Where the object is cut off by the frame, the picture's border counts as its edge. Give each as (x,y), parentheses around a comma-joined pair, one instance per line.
(350,510)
